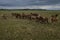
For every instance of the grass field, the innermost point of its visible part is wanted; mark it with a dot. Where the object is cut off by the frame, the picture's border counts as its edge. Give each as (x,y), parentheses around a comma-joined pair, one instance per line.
(23,29)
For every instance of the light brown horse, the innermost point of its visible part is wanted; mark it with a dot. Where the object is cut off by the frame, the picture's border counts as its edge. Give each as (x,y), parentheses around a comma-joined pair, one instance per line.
(4,16)
(42,19)
(25,16)
(34,16)
(54,18)
(17,15)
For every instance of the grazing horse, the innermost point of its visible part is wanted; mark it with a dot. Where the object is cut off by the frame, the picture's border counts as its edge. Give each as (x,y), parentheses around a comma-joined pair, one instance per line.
(29,16)
(4,16)
(54,18)
(26,16)
(34,14)
(33,17)
(42,19)
(45,19)
(16,15)
(13,14)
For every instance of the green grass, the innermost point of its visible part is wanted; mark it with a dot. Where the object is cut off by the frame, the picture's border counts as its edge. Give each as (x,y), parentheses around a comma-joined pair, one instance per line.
(23,29)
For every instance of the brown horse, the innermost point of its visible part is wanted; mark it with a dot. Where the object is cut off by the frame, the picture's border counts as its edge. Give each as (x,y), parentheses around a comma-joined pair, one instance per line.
(45,19)
(4,16)
(54,18)
(34,14)
(42,19)
(13,14)
(16,15)
(33,17)
(26,16)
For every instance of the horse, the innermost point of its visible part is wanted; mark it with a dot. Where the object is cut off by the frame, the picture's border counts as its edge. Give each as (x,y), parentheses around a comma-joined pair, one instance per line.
(54,18)
(42,19)
(34,14)
(16,15)
(4,16)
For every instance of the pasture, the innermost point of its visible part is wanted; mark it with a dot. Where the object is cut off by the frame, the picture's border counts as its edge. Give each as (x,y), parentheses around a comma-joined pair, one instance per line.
(24,29)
